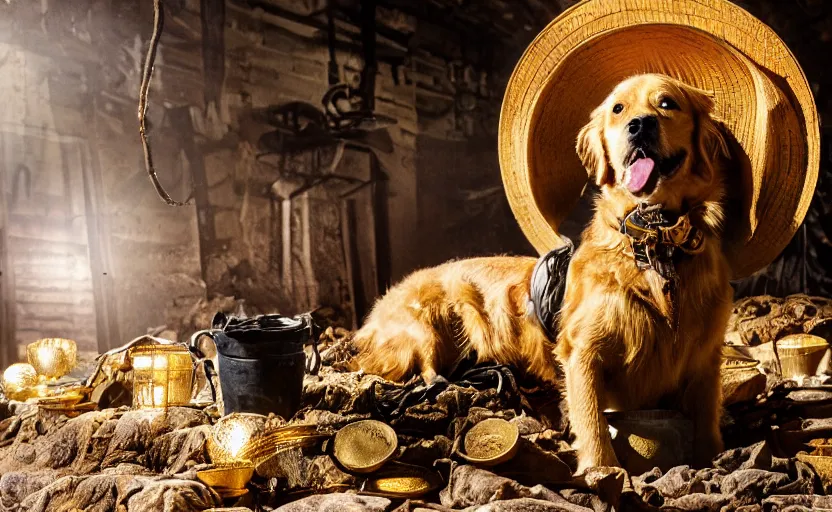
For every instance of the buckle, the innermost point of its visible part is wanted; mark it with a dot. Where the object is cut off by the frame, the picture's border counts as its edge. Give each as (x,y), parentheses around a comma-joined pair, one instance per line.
(678,233)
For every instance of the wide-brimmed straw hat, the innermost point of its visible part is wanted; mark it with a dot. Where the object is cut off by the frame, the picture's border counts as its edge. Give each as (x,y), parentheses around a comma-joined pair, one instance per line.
(760,94)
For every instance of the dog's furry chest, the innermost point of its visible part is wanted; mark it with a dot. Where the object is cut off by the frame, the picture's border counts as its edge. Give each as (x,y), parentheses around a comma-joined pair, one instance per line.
(643,359)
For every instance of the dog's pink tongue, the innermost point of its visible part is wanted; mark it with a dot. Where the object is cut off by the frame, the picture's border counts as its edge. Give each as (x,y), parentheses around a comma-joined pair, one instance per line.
(640,172)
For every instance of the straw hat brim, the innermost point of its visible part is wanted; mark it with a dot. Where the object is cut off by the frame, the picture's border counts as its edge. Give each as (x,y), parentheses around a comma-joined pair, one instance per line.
(760,93)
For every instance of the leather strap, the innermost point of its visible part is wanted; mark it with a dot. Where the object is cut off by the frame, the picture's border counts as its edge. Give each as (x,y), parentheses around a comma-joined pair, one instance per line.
(548,284)
(656,238)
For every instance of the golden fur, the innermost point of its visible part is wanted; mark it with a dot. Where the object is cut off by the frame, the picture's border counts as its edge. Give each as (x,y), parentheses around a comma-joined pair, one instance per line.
(615,342)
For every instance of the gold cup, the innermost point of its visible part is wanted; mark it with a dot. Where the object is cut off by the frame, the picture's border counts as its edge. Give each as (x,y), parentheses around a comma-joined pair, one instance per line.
(490,442)
(52,357)
(19,381)
(228,448)
(365,446)
(800,354)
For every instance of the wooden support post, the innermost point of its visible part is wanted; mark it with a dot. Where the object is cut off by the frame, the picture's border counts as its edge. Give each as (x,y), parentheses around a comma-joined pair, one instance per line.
(213,49)
(8,338)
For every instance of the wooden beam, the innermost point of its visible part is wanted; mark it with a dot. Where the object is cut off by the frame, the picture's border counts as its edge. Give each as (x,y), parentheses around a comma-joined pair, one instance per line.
(106,312)
(8,328)
(180,121)
(213,49)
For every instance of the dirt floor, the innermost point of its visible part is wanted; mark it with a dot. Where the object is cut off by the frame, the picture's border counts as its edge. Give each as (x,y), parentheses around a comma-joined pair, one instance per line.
(119,459)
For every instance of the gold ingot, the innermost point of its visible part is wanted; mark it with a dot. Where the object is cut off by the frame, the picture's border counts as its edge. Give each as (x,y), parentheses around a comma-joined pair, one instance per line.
(233,477)
(800,354)
(491,442)
(19,381)
(364,446)
(162,376)
(52,357)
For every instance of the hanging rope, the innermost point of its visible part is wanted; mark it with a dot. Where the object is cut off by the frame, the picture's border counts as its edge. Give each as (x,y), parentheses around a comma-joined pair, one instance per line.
(147,73)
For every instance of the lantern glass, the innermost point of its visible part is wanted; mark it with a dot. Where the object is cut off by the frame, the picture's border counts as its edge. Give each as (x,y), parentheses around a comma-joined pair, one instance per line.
(52,357)
(162,376)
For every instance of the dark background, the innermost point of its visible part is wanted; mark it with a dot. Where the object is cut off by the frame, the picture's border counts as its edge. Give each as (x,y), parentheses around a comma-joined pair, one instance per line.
(289,210)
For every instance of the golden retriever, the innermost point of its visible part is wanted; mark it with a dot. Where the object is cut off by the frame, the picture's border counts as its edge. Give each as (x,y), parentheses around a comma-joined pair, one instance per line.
(624,343)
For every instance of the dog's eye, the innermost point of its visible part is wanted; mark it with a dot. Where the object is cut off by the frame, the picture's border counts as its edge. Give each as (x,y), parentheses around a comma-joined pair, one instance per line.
(668,104)
(617,108)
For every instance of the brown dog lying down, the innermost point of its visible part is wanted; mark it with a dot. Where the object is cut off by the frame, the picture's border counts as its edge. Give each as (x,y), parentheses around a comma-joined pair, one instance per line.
(625,339)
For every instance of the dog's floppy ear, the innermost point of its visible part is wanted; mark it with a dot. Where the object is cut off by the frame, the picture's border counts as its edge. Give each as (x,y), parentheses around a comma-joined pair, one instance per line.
(591,150)
(708,138)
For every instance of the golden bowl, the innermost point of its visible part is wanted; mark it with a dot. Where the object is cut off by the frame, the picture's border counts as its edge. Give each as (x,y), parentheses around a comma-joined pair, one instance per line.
(52,357)
(19,381)
(800,354)
(364,446)
(491,442)
(405,481)
(234,476)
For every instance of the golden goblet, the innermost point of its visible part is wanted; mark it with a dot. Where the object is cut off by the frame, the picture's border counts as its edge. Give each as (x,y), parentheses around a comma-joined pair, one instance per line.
(52,357)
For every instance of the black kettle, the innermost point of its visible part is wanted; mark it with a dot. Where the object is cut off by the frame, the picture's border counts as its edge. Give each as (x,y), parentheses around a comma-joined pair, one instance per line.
(262,361)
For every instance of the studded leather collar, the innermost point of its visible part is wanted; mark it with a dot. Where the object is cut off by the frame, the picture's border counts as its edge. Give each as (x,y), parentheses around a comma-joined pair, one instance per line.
(656,237)
(656,240)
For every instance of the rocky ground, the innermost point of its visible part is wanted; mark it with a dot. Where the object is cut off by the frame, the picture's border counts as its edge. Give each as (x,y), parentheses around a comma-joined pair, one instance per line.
(122,460)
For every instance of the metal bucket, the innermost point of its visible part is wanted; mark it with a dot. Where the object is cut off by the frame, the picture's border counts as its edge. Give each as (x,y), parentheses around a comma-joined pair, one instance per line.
(262,362)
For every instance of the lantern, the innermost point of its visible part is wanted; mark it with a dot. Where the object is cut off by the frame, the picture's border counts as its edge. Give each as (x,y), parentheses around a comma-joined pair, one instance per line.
(52,357)
(162,376)
(19,381)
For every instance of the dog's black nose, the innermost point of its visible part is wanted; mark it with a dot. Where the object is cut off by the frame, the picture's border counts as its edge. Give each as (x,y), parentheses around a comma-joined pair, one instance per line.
(644,126)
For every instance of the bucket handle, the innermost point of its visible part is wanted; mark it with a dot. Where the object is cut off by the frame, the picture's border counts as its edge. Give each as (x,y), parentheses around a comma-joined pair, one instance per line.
(312,365)
(205,362)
